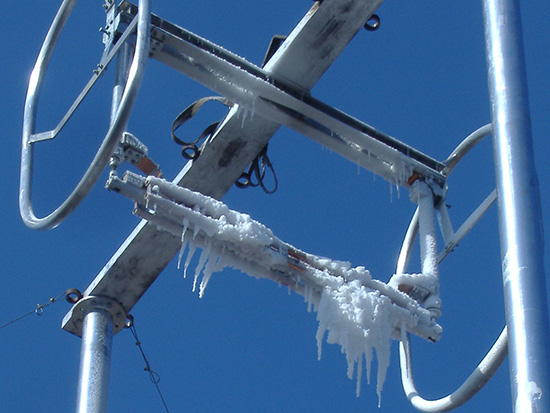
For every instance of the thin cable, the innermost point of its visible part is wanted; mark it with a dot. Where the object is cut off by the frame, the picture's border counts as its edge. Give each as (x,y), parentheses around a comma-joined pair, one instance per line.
(39,310)
(153,375)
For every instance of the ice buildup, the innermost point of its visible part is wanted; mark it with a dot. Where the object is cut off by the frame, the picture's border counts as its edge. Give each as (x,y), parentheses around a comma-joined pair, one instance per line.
(355,311)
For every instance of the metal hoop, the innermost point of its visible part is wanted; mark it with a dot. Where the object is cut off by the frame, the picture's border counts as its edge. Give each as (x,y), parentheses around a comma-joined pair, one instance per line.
(460,151)
(493,359)
(110,141)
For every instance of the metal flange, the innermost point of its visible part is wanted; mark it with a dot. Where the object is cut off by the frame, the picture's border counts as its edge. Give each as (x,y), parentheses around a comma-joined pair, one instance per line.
(73,320)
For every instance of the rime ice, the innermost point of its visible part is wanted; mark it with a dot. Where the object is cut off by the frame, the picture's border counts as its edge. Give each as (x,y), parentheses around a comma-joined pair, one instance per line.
(355,311)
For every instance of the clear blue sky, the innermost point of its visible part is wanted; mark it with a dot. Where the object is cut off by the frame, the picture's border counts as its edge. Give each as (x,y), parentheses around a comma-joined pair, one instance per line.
(248,345)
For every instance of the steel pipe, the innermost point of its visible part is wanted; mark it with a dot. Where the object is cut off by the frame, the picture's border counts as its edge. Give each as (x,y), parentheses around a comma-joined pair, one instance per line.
(520,219)
(95,361)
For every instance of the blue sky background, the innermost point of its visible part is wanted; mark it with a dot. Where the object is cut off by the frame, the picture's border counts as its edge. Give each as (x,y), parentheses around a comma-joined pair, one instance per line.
(249,345)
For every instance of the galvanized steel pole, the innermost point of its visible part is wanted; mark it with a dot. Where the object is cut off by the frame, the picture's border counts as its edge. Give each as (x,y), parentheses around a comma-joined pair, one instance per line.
(97,330)
(95,361)
(520,220)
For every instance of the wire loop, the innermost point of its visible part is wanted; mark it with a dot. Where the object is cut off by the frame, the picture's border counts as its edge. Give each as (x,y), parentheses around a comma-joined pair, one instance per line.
(39,310)
(153,375)
(257,171)
(190,150)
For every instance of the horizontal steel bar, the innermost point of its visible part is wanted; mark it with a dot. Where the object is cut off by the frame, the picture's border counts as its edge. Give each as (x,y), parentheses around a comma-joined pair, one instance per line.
(249,86)
(98,72)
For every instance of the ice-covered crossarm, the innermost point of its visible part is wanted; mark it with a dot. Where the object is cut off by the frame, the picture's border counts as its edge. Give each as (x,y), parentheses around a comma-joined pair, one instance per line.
(359,313)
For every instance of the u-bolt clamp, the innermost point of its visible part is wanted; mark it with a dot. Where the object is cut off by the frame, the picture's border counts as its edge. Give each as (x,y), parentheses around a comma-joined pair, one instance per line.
(117,126)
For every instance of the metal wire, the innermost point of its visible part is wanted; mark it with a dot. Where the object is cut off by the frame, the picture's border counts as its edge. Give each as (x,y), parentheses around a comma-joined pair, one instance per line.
(153,375)
(39,310)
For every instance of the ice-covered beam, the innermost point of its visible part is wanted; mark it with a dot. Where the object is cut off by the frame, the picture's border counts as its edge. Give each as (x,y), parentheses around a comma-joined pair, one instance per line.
(147,251)
(267,93)
(358,312)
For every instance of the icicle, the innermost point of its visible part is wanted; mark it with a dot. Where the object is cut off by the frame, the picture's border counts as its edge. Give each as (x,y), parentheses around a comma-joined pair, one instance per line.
(359,375)
(322,317)
(183,243)
(196,231)
(190,253)
(368,355)
(244,115)
(309,296)
(202,260)
(253,107)
(212,266)
(351,365)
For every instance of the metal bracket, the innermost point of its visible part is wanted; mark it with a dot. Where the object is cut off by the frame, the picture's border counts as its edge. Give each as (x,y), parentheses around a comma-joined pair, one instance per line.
(73,320)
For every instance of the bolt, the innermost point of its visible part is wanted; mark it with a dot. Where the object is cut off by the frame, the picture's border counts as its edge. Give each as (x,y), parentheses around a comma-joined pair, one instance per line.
(99,69)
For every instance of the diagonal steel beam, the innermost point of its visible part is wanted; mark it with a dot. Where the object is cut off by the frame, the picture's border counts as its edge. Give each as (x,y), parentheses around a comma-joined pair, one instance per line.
(301,60)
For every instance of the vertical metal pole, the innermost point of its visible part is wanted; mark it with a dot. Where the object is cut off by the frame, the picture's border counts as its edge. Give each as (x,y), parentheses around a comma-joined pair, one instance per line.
(423,196)
(124,59)
(520,220)
(97,330)
(95,361)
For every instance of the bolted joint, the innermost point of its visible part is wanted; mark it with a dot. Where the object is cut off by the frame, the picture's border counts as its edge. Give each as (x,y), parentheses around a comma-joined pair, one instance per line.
(73,321)
(432,303)
(423,288)
(418,190)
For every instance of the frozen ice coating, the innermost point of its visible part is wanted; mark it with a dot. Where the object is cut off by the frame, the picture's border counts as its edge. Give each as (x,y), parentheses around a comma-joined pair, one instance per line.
(359,313)
(359,320)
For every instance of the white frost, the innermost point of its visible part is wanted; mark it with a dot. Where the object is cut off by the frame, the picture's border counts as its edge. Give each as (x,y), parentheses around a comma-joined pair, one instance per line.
(359,320)
(351,310)
(525,401)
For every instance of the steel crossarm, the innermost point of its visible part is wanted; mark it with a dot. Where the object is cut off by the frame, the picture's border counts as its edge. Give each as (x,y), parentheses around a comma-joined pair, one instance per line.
(300,61)
(268,93)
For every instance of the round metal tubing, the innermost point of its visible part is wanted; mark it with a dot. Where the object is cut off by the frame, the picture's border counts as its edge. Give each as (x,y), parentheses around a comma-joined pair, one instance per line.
(520,217)
(117,126)
(479,377)
(95,361)
(496,355)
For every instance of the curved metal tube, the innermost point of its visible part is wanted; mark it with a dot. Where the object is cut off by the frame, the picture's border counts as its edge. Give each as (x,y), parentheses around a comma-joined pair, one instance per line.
(110,141)
(479,377)
(499,350)
(458,153)
(465,146)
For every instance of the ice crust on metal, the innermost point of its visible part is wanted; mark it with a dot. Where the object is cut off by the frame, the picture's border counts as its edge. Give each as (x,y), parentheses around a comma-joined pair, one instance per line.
(353,310)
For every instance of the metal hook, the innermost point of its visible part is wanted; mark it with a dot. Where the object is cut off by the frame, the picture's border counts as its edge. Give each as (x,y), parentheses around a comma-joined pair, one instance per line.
(373,23)
(129,321)
(72,295)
